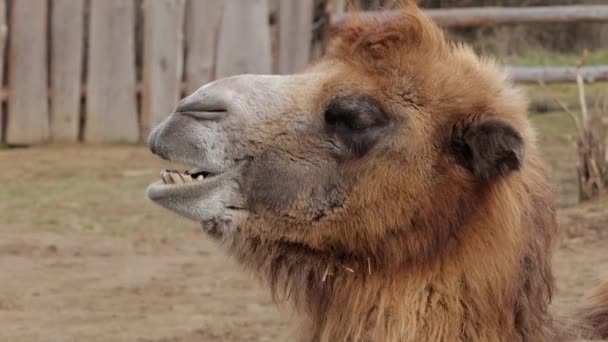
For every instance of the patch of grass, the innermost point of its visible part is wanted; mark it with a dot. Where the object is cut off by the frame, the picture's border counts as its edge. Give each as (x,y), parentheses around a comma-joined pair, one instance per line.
(554,126)
(83,189)
(557,141)
(546,58)
(544,99)
(3,146)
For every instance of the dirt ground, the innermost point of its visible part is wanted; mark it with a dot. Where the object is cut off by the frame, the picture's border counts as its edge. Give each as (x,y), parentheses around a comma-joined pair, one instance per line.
(84,257)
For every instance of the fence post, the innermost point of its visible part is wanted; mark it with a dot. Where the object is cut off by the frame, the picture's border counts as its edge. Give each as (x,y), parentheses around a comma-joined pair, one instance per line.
(67,29)
(295,34)
(28,119)
(244,39)
(163,59)
(202,25)
(111,111)
(3,35)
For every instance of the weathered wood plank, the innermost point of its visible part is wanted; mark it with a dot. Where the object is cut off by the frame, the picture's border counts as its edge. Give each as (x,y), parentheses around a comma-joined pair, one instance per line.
(163,59)
(28,119)
(202,24)
(3,35)
(111,112)
(273,22)
(244,39)
(481,16)
(558,74)
(67,29)
(295,34)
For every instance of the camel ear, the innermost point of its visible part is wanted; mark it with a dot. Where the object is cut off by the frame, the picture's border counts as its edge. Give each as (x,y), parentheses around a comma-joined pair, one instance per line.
(489,149)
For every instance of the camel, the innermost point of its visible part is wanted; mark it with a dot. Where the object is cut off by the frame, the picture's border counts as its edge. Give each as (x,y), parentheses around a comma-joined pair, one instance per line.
(391,191)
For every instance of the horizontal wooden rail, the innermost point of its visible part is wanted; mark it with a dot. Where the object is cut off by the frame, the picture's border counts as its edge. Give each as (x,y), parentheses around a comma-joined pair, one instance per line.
(558,74)
(485,16)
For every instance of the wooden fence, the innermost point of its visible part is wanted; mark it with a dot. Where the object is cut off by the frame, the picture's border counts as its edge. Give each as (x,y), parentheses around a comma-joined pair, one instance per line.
(490,16)
(486,16)
(102,71)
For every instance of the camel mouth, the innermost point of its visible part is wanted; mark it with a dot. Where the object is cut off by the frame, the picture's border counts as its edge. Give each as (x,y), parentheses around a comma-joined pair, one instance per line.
(174,182)
(212,197)
(200,184)
(175,177)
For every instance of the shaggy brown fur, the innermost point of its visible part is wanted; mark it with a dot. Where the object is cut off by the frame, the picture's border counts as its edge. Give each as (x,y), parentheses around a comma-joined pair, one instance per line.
(448,253)
(592,319)
(393,191)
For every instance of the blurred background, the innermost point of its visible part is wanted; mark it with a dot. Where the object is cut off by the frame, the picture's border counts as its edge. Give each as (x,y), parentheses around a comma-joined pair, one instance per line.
(83,256)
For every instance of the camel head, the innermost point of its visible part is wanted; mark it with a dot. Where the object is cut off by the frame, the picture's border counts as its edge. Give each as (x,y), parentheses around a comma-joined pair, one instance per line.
(377,151)
(393,187)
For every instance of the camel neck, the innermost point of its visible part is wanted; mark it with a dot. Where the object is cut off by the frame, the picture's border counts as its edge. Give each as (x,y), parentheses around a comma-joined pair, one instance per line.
(357,303)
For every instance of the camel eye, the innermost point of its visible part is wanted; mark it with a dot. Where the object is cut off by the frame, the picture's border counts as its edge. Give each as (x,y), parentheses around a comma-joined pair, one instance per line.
(355,113)
(344,119)
(356,121)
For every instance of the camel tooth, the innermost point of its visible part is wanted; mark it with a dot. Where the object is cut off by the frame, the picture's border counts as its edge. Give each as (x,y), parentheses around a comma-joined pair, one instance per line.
(200,178)
(176,177)
(187,178)
(166,177)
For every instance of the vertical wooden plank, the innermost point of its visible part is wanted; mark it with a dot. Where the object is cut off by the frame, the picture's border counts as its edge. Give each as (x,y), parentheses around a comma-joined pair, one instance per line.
(273,6)
(202,24)
(67,27)
(163,56)
(295,34)
(28,119)
(3,35)
(273,13)
(111,111)
(244,38)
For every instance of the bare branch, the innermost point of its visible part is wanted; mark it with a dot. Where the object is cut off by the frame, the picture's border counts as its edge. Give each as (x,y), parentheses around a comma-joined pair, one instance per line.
(581,90)
(564,107)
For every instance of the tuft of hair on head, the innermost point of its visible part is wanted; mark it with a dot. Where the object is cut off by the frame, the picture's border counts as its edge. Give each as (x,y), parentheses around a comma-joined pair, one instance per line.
(356,15)
(405,3)
(377,36)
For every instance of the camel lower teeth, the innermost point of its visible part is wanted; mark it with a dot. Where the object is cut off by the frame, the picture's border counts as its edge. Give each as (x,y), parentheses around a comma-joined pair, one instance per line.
(176,177)
(166,177)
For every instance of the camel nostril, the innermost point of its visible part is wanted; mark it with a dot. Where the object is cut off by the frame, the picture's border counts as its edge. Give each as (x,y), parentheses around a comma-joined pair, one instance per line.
(206,115)
(202,108)
(190,105)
